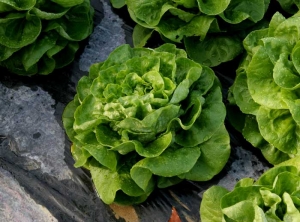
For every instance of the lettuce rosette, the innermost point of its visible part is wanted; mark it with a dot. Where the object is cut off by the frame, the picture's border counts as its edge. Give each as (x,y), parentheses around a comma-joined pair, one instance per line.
(275,197)
(266,89)
(38,36)
(147,118)
(211,31)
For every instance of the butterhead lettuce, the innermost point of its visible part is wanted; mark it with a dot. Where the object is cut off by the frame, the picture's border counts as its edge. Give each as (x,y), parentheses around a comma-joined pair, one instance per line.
(266,89)
(147,118)
(273,197)
(211,31)
(38,36)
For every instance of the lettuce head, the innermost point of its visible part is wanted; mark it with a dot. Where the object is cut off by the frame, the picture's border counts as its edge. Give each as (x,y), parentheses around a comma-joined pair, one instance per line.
(267,89)
(273,197)
(38,36)
(147,118)
(211,31)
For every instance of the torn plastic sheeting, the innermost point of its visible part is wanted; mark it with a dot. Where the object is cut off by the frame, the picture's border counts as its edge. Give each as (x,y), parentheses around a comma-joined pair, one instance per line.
(27,116)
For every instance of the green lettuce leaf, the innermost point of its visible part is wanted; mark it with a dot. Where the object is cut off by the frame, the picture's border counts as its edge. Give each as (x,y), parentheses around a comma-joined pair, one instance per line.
(214,50)
(210,208)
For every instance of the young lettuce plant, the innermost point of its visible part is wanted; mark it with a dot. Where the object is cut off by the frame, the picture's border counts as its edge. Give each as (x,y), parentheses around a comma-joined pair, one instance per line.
(38,36)
(147,118)
(212,31)
(266,89)
(273,197)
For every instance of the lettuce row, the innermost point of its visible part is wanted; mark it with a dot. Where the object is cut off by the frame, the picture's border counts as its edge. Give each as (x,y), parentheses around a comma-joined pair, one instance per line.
(273,197)
(212,31)
(266,89)
(147,118)
(38,36)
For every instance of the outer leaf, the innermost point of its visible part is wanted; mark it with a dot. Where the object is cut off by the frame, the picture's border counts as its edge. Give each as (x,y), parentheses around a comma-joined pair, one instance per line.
(147,12)
(35,51)
(198,26)
(252,134)
(103,155)
(128,186)
(156,147)
(19,30)
(245,211)
(123,199)
(276,20)
(249,193)
(162,165)
(14,64)
(214,7)
(76,25)
(141,35)
(242,95)
(293,162)
(68,119)
(245,182)
(86,138)
(106,181)
(207,166)
(81,156)
(66,55)
(165,165)
(210,208)
(252,40)
(291,99)
(84,118)
(259,73)
(279,128)
(83,88)
(164,182)
(207,123)
(6,52)
(49,11)
(214,50)
(268,178)
(182,90)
